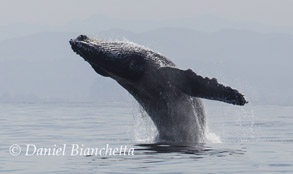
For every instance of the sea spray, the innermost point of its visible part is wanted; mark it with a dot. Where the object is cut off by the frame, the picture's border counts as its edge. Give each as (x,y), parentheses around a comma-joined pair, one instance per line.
(144,130)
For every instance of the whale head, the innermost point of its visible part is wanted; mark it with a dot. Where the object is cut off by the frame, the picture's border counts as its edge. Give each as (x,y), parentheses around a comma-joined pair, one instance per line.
(116,59)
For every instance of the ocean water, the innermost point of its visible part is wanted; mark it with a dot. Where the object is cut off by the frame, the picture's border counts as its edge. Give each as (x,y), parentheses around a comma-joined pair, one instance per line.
(250,139)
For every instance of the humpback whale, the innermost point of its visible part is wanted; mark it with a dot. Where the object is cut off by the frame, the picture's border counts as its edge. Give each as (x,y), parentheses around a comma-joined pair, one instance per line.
(169,95)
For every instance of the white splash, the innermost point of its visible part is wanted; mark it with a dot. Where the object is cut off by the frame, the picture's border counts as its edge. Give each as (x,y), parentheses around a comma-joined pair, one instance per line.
(211,137)
(144,130)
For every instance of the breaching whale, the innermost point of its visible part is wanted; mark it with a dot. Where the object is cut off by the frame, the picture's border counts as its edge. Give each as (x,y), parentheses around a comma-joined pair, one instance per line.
(169,95)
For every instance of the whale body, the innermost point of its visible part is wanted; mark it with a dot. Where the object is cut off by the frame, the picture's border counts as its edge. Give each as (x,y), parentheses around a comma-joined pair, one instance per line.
(169,95)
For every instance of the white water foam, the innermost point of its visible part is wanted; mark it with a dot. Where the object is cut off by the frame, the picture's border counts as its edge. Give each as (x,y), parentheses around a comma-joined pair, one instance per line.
(211,137)
(144,130)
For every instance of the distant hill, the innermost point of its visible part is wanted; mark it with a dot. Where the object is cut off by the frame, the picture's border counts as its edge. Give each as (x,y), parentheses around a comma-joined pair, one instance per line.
(42,68)
(99,23)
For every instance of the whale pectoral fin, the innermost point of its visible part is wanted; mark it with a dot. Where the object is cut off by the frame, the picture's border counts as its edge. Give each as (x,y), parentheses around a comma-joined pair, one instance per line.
(195,85)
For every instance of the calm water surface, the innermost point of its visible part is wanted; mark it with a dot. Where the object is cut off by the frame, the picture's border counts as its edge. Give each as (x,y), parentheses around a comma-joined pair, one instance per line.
(253,139)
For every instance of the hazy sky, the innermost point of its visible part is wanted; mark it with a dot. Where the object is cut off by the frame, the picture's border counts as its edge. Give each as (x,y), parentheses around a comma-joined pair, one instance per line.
(275,12)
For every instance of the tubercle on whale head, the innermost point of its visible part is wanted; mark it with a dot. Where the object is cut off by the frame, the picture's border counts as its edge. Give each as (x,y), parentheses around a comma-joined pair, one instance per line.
(81,46)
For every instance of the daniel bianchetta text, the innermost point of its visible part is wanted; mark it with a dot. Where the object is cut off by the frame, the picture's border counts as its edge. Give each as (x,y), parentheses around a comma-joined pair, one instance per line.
(71,150)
